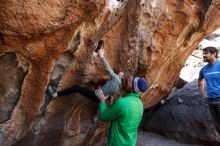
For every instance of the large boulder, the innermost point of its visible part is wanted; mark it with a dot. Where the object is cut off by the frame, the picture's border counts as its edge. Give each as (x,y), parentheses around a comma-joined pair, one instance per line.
(55,39)
(185,117)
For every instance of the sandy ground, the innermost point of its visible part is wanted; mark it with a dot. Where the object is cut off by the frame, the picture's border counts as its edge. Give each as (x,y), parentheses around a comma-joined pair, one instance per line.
(151,139)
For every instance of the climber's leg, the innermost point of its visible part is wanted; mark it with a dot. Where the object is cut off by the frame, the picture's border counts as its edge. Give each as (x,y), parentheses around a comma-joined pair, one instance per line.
(79,89)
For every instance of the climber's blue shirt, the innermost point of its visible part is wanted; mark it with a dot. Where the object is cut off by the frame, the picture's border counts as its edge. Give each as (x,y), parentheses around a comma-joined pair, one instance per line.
(211,74)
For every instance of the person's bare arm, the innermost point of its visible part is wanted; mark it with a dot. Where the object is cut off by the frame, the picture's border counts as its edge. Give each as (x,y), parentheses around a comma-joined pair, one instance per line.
(201,84)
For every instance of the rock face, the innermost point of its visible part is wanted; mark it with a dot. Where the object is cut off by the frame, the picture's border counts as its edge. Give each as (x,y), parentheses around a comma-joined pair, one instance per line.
(51,42)
(11,75)
(185,117)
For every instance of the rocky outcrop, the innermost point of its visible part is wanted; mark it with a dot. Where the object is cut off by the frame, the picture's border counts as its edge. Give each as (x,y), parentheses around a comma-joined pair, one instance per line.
(186,118)
(54,41)
(11,75)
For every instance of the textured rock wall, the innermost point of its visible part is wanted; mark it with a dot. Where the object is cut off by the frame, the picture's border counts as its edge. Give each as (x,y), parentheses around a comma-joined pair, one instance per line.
(51,42)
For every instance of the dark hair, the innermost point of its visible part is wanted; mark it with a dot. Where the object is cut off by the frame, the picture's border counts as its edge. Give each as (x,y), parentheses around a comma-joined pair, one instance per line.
(211,50)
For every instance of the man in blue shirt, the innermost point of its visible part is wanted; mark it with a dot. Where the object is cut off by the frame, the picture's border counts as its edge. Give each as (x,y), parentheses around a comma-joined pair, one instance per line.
(211,74)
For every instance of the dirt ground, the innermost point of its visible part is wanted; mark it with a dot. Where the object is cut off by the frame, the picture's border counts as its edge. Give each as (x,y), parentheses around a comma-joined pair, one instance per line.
(152,139)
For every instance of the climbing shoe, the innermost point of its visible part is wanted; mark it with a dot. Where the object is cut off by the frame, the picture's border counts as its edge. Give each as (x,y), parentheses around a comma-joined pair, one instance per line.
(52,92)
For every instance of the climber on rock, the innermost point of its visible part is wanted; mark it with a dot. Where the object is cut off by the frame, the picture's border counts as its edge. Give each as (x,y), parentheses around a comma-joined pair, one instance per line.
(110,88)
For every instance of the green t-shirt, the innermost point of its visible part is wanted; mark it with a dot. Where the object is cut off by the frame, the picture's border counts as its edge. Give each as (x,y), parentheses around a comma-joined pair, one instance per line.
(125,115)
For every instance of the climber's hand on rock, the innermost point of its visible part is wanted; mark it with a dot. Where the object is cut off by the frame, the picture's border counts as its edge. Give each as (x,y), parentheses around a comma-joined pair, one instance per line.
(101,52)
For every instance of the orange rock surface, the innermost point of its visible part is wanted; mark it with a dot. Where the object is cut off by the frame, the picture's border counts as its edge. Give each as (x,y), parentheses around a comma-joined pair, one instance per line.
(53,42)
